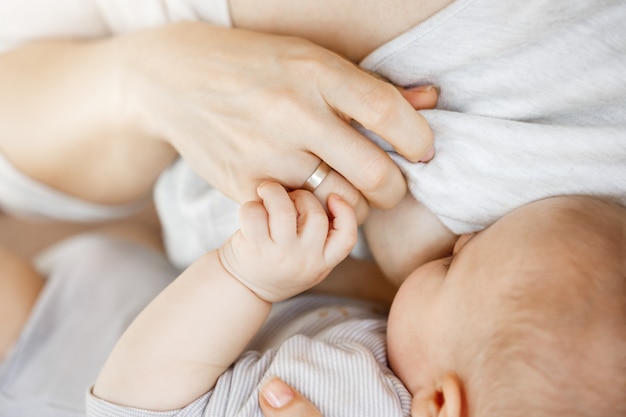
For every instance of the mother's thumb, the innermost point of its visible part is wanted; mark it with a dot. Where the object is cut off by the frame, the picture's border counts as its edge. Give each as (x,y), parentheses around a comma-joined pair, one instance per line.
(278,399)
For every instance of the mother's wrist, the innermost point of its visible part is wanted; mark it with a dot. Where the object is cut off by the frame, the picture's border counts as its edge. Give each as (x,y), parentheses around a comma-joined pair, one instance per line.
(155,68)
(129,88)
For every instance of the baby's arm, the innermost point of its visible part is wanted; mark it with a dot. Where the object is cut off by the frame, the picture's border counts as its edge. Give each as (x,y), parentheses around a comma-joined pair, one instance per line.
(194,330)
(406,237)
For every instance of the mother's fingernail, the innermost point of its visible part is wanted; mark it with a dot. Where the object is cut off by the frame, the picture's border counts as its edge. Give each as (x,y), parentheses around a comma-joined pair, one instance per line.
(421,88)
(424,89)
(430,153)
(277,393)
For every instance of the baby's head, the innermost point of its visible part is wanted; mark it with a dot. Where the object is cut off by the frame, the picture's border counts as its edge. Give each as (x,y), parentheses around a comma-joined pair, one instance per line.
(529,318)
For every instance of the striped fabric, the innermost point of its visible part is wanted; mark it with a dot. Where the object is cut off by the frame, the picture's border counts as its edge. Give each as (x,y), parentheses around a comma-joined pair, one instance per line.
(331,349)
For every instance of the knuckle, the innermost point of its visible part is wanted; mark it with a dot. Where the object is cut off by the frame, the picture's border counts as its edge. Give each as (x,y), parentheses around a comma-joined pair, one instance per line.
(285,213)
(310,60)
(251,211)
(429,138)
(381,104)
(362,212)
(285,101)
(353,197)
(319,219)
(377,172)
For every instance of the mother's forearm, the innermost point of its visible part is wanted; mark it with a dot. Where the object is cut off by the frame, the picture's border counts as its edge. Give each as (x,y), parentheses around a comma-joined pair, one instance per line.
(64,122)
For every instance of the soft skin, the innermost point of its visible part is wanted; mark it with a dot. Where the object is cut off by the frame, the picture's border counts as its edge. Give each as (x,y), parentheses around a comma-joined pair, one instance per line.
(566,257)
(548,277)
(286,245)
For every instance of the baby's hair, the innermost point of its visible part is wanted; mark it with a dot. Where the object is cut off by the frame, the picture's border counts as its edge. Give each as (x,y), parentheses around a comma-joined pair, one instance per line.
(526,370)
(559,350)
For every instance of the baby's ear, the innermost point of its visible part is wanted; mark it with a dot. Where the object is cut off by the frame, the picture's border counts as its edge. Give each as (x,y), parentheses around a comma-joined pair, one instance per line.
(441,400)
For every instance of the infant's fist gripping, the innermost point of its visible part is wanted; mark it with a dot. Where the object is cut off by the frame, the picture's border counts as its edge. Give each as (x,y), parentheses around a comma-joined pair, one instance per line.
(287,243)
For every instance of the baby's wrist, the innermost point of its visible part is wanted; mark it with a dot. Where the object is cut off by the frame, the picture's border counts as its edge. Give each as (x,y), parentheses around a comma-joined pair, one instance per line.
(237,277)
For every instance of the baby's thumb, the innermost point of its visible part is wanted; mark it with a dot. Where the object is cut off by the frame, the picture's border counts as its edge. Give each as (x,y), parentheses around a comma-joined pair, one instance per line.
(278,399)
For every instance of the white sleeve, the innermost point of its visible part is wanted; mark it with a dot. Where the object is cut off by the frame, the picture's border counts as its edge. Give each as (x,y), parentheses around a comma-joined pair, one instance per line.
(532,104)
(29,20)
(22,196)
(486,167)
(123,15)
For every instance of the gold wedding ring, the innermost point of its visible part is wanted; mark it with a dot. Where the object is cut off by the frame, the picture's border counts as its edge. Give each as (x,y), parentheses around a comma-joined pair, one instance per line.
(317,177)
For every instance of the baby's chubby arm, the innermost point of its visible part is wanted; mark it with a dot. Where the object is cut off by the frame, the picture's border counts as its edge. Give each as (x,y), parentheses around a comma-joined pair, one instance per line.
(405,237)
(192,332)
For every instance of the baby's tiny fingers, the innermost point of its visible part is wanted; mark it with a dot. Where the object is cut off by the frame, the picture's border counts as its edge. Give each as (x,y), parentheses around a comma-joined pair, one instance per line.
(281,212)
(343,234)
(312,218)
(253,221)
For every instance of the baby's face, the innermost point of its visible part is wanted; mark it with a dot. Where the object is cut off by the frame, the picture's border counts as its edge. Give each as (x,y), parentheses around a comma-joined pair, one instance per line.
(427,313)
(439,310)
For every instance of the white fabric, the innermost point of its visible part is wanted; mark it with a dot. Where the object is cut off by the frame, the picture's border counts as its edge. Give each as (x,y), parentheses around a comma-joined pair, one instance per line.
(532,104)
(95,287)
(24,197)
(196,218)
(330,349)
(124,16)
(29,20)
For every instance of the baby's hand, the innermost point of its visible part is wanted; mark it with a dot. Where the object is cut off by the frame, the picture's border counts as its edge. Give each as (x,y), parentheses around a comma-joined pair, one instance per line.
(286,243)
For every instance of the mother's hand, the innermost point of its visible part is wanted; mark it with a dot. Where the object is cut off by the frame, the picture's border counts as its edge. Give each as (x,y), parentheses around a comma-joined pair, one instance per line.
(277,399)
(243,107)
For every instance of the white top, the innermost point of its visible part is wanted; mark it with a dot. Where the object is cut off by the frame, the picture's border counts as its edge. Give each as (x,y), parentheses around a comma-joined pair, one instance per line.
(28,20)
(532,104)
(22,196)
(331,349)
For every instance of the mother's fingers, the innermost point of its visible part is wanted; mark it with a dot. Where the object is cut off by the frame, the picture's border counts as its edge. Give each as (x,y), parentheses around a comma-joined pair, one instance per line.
(312,219)
(379,107)
(281,212)
(382,108)
(254,222)
(363,164)
(335,183)
(278,399)
(343,235)
(421,97)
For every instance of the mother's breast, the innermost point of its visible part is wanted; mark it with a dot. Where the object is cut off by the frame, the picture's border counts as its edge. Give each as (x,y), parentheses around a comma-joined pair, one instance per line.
(350,28)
